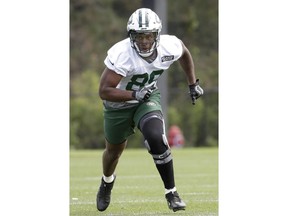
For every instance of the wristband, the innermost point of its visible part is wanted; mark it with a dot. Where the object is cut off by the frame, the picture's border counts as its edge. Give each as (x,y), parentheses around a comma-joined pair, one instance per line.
(134,94)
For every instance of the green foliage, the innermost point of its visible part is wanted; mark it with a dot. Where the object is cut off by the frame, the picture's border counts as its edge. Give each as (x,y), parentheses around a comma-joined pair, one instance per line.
(188,118)
(195,22)
(86,116)
(95,26)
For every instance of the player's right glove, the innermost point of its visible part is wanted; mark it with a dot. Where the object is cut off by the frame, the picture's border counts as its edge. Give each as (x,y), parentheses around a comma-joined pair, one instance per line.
(143,94)
(195,91)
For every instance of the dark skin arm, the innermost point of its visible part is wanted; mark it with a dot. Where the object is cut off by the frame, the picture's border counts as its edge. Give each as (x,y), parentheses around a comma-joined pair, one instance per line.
(107,89)
(187,64)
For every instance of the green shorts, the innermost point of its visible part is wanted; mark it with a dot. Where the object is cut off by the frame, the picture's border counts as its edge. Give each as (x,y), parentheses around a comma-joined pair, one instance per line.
(119,124)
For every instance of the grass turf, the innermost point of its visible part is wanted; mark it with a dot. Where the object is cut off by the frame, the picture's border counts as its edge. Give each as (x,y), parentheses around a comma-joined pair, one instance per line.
(138,189)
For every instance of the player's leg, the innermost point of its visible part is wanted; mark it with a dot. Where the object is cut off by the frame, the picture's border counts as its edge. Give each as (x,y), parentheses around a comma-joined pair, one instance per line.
(118,125)
(149,120)
(110,160)
(111,156)
(152,127)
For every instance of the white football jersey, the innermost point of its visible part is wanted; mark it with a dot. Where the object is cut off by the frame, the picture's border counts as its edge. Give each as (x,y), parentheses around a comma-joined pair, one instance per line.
(136,71)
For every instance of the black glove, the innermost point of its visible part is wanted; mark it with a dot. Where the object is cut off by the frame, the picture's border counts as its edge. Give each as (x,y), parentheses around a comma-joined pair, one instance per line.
(195,91)
(143,94)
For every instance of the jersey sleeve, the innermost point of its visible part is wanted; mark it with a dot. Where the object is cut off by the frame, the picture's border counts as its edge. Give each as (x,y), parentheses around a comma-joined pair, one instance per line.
(172,45)
(178,47)
(117,59)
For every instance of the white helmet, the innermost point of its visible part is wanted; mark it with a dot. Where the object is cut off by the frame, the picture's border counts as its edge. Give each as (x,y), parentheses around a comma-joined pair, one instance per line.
(144,20)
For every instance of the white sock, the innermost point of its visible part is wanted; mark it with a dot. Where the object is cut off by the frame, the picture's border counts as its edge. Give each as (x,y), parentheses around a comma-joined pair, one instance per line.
(108,179)
(170,190)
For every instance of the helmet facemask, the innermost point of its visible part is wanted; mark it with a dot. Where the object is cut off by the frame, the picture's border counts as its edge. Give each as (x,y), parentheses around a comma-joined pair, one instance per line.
(144,42)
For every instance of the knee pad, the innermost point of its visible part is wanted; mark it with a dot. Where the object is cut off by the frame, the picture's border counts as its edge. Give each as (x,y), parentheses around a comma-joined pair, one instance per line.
(152,127)
(160,158)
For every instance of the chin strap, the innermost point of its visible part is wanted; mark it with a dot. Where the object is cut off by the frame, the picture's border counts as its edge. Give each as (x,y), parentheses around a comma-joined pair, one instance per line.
(145,54)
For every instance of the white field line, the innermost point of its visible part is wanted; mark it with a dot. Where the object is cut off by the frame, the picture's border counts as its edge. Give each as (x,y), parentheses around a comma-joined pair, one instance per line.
(97,178)
(131,187)
(115,201)
(136,187)
(139,201)
(90,178)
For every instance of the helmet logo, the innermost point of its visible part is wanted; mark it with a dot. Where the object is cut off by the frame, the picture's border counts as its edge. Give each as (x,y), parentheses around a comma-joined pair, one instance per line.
(143,20)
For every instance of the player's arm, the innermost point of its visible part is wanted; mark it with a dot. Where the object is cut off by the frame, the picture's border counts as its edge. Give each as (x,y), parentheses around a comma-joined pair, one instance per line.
(107,89)
(187,64)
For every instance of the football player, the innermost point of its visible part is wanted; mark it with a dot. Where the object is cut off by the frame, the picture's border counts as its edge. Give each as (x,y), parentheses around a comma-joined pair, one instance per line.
(128,88)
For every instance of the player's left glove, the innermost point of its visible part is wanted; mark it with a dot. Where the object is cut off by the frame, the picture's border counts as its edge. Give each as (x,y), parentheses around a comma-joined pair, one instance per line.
(195,91)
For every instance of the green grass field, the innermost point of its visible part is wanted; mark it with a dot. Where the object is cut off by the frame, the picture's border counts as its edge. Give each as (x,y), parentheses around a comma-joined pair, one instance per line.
(138,189)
